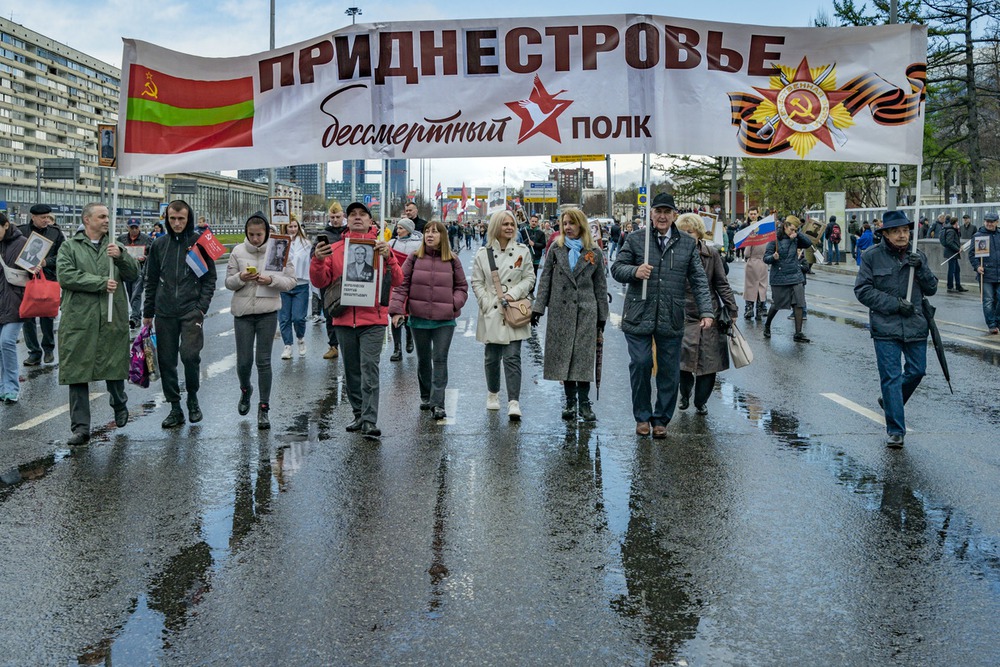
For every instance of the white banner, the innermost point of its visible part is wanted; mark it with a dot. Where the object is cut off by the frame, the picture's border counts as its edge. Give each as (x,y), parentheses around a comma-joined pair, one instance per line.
(625,83)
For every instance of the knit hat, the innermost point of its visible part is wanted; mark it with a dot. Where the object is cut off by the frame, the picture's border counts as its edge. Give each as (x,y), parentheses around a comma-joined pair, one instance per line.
(406,224)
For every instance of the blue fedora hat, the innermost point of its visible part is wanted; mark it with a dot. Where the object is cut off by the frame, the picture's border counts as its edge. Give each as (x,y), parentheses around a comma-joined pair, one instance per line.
(895,219)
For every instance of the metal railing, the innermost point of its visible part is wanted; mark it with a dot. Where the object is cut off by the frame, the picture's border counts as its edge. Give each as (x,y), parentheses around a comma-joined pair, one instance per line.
(931,212)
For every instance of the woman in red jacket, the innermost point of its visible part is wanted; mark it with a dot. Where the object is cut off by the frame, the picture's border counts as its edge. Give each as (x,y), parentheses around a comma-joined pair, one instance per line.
(432,293)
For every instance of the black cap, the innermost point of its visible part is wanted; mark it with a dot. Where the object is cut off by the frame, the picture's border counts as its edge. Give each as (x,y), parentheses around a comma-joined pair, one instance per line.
(41,209)
(663,200)
(354,205)
(833,218)
(133,223)
(965,216)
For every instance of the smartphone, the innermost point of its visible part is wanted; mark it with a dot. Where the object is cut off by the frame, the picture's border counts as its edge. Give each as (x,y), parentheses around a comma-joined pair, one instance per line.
(251,270)
(323,238)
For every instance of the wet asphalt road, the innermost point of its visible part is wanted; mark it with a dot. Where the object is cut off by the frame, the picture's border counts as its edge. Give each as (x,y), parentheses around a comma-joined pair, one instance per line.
(776,530)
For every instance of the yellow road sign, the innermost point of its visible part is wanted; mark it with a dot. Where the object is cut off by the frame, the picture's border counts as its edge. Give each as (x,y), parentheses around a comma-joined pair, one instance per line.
(577,158)
(642,199)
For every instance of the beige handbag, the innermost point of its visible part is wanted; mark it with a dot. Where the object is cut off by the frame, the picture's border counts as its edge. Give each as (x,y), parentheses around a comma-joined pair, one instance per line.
(515,313)
(739,350)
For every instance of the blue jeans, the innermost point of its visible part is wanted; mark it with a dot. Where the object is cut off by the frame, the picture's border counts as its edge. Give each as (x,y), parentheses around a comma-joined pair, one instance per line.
(991,304)
(668,376)
(294,307)
(832,252)
(10,382)
(899,382)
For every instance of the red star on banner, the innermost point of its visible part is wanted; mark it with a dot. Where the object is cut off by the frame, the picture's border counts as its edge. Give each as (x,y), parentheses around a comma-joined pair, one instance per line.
(800,104)
(539,112)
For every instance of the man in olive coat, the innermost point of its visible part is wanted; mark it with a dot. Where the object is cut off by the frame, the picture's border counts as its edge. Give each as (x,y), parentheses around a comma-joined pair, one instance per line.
(674,263)
(90,347)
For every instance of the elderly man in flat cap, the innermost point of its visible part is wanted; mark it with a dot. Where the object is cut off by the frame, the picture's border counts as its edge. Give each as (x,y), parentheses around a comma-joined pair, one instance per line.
(43,223)
(674,265)
(987,269)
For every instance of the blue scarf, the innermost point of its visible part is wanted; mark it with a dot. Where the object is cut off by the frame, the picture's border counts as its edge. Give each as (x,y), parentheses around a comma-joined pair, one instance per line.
(575,247)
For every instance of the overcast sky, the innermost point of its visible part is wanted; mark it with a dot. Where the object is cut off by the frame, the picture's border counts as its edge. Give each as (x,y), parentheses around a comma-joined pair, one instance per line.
(240,27)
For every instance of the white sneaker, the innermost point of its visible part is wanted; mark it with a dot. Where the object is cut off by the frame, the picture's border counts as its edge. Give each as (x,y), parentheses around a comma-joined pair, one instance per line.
(302,348)
(287,352)
(514,411)
(492,401)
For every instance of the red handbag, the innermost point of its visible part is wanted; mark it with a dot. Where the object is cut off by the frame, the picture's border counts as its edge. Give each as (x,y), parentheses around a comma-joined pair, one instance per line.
(41,298)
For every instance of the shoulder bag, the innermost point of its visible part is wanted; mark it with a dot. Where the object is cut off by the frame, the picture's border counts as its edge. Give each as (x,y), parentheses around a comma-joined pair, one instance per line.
(515,313)
(15,277)
(739,350)
(331,298)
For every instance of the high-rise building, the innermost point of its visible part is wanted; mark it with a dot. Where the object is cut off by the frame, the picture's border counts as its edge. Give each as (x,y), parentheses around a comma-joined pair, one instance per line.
(306,176)
(569,179)
(52,98)
(355,167)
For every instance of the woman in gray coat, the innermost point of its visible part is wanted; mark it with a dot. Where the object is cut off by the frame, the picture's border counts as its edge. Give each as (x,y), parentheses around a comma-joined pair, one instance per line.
(787,280)
(702,354)
(574,288)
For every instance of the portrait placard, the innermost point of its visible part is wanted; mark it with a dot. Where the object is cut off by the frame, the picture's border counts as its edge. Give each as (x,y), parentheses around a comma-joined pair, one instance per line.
(361,266)
(34,251)
(281,208)
(981,246)
(136,251)
(277,253)
(108,142)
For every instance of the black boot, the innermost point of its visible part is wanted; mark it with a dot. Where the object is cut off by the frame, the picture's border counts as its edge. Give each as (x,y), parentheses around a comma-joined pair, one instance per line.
(243,406)
(569,412)
(684,402)
(263,423)
(175,418)
(194,410)
(409,341)
(761,310)
(397,352)
(749,311)
(583,397)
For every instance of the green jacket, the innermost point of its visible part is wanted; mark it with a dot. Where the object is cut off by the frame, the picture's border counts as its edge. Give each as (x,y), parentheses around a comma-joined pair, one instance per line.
(90,347)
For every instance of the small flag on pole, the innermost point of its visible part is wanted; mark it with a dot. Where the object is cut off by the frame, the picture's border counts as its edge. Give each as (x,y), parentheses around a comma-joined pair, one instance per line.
(759,233)
(438,194)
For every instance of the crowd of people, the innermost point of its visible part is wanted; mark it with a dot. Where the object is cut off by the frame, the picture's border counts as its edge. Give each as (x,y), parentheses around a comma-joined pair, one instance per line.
(677,310)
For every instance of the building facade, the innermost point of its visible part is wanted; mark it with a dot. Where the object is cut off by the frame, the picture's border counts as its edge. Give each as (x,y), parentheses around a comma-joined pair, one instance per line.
(225,201)
(308,177)
(52,98)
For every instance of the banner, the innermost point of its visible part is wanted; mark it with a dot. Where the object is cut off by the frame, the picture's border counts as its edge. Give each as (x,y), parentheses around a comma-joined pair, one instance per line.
(510,86)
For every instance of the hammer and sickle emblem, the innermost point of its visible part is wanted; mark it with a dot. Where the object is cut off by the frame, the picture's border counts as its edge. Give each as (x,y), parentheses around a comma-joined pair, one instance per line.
(150,88)
(804,111)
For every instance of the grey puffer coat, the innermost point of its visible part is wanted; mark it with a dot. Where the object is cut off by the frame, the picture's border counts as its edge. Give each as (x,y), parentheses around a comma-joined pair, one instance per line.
(676,267)
(882,281)
(577,299)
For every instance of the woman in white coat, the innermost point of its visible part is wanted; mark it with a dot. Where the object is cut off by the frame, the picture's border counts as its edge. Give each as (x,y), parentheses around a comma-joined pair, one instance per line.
(255,304)
(295,302)
(503,342)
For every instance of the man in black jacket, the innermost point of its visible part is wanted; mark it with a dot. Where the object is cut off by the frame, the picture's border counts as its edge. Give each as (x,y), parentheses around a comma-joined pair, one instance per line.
(179,299)
(42,222)
(951,243)
(335,229)
(898,326)
(674,265)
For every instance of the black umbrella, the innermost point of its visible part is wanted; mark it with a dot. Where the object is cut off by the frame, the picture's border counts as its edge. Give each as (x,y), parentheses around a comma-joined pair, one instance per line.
(929,311)
(599,362)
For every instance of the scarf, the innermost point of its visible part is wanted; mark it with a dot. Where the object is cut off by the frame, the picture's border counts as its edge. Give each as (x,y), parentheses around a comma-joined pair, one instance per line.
(575,247)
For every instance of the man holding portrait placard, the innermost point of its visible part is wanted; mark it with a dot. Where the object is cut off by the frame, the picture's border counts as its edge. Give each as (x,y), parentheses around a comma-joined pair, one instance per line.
(985,259)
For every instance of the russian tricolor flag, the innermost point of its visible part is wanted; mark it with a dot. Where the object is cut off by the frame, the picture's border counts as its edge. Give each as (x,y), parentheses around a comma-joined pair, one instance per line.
(759,233)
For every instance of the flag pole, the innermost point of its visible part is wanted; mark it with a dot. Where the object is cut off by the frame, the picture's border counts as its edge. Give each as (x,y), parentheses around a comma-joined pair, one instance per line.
(916,229)
(645,214)
(111,239)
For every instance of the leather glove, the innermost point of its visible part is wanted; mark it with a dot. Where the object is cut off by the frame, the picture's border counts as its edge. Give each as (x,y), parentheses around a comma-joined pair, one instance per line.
(535,319)
(905,307)
(913,259)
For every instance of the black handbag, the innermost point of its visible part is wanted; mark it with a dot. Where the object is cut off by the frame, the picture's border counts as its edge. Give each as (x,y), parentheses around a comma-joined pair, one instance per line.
(331,298)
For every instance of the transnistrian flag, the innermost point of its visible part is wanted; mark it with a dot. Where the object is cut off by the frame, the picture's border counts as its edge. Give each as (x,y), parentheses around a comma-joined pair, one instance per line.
(169,115)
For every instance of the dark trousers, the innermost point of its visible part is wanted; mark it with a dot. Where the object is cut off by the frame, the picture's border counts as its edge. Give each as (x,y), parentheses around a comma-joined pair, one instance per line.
(954,273)
(48,343)
(182,336)
(360,350)
(432,363)
(79,403)
(668,370)
(509,356)
(133,288)
(397,335)
(251,331)
(576,391)
(702,385)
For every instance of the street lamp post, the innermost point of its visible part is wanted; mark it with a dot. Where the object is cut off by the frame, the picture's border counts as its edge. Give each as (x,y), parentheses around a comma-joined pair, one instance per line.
(353,12)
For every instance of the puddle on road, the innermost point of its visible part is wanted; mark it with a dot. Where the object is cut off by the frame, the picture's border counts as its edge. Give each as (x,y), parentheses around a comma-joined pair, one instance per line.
(909,510)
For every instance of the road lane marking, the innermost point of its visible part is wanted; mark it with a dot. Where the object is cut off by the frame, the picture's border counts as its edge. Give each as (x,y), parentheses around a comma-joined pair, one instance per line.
(860,409)
(224,311)
(55,412)
(450,406)
(212,370)
(227,332)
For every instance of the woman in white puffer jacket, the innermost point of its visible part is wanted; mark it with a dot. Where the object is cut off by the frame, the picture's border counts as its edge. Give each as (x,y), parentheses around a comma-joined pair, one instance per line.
(255,304)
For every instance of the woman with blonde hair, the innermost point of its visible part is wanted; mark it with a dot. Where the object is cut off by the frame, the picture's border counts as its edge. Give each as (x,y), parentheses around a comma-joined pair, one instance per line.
(702,350)
(517,277)
(431,297)
(295,302)
(574,288)
(787,281)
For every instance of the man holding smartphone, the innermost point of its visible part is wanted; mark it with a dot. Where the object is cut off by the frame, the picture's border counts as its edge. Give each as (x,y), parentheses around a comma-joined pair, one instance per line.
(333,232)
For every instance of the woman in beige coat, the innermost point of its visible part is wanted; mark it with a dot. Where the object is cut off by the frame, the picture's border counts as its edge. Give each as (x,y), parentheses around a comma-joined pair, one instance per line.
(255,305)
(755,276)
(503,342)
